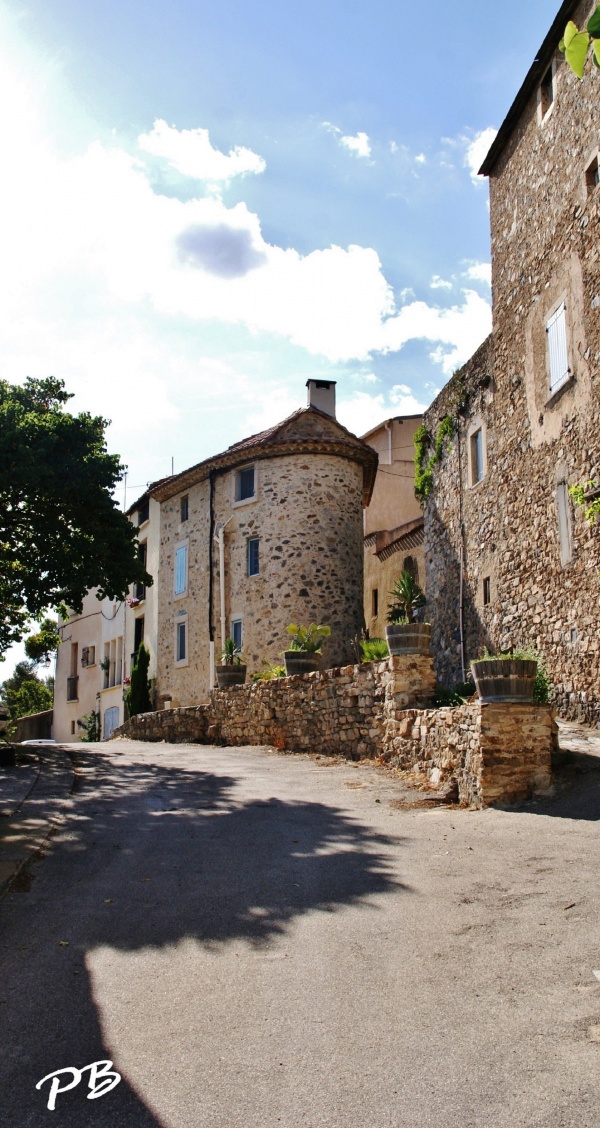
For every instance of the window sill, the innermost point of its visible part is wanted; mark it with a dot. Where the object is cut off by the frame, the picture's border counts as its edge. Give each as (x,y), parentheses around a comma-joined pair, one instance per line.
(564,387)
(476,485)
(244,501)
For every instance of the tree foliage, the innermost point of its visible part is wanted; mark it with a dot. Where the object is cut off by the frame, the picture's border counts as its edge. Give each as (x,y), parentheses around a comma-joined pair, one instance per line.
(138,696)
(24,693)
(45,642)
(61,532)
(575,43)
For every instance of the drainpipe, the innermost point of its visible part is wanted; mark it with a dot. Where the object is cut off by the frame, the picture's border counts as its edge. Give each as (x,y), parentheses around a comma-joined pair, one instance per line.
(221,541)
(462,559)
(388,427)
(211,645)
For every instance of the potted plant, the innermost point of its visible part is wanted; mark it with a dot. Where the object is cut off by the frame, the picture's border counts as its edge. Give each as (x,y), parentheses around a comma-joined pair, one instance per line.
(232,671)
(517,677)
(304,655)
(403,634)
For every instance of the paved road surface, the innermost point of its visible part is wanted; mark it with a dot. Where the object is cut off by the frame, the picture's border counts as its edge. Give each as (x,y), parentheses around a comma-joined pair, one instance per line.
(271,941)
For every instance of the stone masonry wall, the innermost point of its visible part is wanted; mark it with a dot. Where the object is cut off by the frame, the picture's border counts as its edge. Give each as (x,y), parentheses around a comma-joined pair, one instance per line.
(545,592)
(495,754)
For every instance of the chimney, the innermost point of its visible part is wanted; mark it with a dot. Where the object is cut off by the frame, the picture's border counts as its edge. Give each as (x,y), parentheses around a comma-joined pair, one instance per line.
(321,394)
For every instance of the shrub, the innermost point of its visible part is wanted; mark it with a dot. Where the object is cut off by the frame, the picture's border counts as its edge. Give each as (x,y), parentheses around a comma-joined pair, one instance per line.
(373,649)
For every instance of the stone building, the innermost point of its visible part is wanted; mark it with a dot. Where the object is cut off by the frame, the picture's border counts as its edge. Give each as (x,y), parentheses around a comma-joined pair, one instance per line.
(265,534)
(510,561)
(393,520)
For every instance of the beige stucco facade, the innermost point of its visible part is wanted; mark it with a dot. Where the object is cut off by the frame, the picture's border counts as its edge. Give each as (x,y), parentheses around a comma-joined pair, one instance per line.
(77,677)
(393,523)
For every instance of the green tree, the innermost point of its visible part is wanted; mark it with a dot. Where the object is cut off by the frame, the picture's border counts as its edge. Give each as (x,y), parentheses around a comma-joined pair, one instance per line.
(575,44)
(61,532)
(24,693)
(138,697)
(41,645)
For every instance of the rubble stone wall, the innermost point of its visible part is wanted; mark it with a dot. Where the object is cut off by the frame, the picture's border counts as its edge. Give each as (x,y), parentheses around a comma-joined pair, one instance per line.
(375,711)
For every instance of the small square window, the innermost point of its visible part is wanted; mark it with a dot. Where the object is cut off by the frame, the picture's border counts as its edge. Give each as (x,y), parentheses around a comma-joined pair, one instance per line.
(184,509)
(375,602)
(236,632)
(252,558)
(244,484)
(487,591)
(181,649)
(592,176)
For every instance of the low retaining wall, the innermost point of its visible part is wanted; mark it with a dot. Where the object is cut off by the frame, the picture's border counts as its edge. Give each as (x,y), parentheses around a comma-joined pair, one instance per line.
(37,726)
(496,753)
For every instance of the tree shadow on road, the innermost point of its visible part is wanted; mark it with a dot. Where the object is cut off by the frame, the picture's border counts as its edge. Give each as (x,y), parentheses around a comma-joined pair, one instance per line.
(199,865)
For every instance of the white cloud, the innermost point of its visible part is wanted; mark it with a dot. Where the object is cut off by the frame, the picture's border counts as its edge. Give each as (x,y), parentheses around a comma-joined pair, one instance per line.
(421,158)
(359,145)
(457,331)
(480,272)
(476,151)
(363,411)
(191,153)
(438,283)
(393,147)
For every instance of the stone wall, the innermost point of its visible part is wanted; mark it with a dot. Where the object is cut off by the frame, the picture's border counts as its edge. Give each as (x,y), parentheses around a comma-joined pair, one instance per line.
(37,726)
(542,571)
(375,710)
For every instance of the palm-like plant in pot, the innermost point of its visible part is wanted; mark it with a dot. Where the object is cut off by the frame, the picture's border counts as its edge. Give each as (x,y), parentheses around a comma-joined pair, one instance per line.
(403,634)
(232,670)
(304,655)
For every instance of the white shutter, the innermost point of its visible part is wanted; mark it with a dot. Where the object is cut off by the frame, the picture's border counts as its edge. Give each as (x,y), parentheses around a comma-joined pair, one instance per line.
(556,329)
(180,569)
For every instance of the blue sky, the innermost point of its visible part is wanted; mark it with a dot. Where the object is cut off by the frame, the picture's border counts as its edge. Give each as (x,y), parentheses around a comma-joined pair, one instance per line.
(206,204)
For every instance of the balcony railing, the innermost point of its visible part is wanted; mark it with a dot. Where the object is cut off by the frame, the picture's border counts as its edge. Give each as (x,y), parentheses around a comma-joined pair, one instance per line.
(72,688)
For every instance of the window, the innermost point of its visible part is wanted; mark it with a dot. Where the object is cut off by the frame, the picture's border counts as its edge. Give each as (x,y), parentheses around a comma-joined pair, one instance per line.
(236,632)
(477,460)
(546,93)
(138,589)
(375,602)
(181,642)
(72,728)
(591,175)
(181,556)
(184,509)
(88,656)
(487,591)
(564,522)
(138,634)
(144,512)
(410,565)
(556,334)
(252,558)
(245,484)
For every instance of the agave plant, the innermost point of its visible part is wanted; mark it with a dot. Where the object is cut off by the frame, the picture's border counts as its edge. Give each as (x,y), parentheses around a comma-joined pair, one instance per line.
(408,596)
(231,655)
(309,639)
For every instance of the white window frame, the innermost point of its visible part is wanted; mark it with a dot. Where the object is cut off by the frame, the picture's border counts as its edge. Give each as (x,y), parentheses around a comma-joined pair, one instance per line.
(544,114)
(183,546)
(237,619)
(182,621)
(477,426)
(557,347)
(235,474)
(248,572)
(563,514)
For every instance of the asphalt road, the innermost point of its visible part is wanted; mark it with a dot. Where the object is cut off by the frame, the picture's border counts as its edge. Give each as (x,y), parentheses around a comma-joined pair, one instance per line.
(263,940)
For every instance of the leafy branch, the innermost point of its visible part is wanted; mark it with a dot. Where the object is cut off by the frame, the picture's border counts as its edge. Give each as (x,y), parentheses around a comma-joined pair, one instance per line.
(575,43)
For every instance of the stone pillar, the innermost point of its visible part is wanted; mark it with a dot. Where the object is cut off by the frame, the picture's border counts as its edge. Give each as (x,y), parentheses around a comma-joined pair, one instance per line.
(410,682)
(513,760)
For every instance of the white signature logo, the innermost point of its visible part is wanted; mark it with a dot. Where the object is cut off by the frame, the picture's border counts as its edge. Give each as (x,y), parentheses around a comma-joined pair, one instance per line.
(101,1081)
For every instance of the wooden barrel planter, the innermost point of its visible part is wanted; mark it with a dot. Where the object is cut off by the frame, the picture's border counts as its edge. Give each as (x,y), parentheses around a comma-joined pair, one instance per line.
(230,675)
(505,681)
(301,662)
(408,638)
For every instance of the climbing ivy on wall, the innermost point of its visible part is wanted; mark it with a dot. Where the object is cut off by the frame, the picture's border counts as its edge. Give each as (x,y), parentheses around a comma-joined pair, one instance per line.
(581,496)
(575,43)
(424,466)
